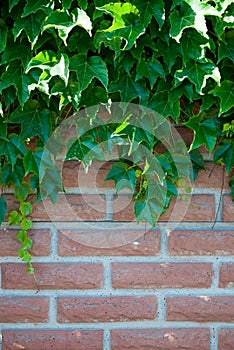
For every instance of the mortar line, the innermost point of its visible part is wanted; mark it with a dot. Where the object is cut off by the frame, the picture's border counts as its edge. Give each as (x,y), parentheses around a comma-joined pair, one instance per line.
(106,340)
(214,338)
(109,207)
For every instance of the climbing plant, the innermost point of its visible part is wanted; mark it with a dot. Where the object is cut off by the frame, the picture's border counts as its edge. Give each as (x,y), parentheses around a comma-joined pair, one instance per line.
(57,57)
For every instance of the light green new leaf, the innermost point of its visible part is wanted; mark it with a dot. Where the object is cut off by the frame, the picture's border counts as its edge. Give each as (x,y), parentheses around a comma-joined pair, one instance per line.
(12,148)
(65,22)
(130,89)
(123,176)
(225,92)
(31,25)
(205,132)
(33,6)
(34,121)
(149,8)
(198,73)
(52,64)
(3,36)
(89,68)
(225,151)
(3,209)
(126,25)
(151,69)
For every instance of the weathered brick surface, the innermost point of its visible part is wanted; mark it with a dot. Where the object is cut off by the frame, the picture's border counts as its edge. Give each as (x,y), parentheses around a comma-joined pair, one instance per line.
(52,276)
(200,309)
(199,208)
(226,339)
(116,243)
(226,278)
(13,310)
(165,275)
(74,339)
(228,209)
(9,244)
(199,242)
(160,339)
(113,309)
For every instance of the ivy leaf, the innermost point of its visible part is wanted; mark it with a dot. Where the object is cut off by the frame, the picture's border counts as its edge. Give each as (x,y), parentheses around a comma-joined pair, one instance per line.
(52,64)
(198,73)
(126,25)
(34,121)
(151,69)
(205,132)
(123,176)
(31,25)
(130,89)
(89,68)
(13,3)
(12,148)
(181,19)
(226,48)
(15,75)
(33,6)
(149,8)
(3,35)
(66,4)
(3,209)
(148,210)
(65,22)
(225,151)
(192,44)
(30,164)
(225,92)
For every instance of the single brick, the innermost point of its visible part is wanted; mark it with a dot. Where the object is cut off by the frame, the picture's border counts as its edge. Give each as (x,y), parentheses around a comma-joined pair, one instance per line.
(103,309)
(74,175)
(165,275)
(212,177)
(14,310)
(69,207)
(160,339)
(226,277)
(52,339)
(200,242)
(198,208)
(226,339)
(200,309)
(52,276)
(228,209)
(107,242)
(9,244)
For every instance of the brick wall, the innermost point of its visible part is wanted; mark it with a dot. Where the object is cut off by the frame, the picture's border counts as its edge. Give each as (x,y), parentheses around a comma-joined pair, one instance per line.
(103,282)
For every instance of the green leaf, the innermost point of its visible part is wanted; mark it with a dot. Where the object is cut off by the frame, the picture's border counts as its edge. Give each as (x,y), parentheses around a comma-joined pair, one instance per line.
(31,25)
(89,68)
(152,69)
(33,6)
(30,163)
(181,19)
(225,151)
(149,8)
(123,176)
(3,209)
(21,191)
(14,218)
(66,4)
(26,225)
(13,3)
(225,92)
(130,89)
(12,148)
(148,210)
(3,36)
(52,64)
(205,132)
(34,121)
(192,44)
(65,22)
(198,73)
(25,208)
(226,49)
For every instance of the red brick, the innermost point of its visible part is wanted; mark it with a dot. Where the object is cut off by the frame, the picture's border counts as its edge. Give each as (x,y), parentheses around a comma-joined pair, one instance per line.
(9,244)
(143,275)
(226,278)
(200,208)
(200,309)
(74,175)
(52,276)
(112,309)
(161,339)
(200,242)
(52,339)
(212,177)
(14,310)
(228,209)
(116,243)
(69,207)
(226,339)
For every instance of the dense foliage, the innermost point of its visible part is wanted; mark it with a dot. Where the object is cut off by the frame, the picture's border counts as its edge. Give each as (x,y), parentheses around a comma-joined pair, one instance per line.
(175,57)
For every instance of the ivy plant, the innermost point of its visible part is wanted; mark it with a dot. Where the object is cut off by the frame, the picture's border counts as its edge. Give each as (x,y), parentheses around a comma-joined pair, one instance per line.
(58,57)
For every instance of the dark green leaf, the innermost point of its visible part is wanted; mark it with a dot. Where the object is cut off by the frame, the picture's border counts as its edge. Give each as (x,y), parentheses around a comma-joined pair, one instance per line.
(152,69)
(12,148)
(225,151)
(123,176)
(149,8)
(225,92)
(33,6)
(3,36)
(3,209)
(192,45)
